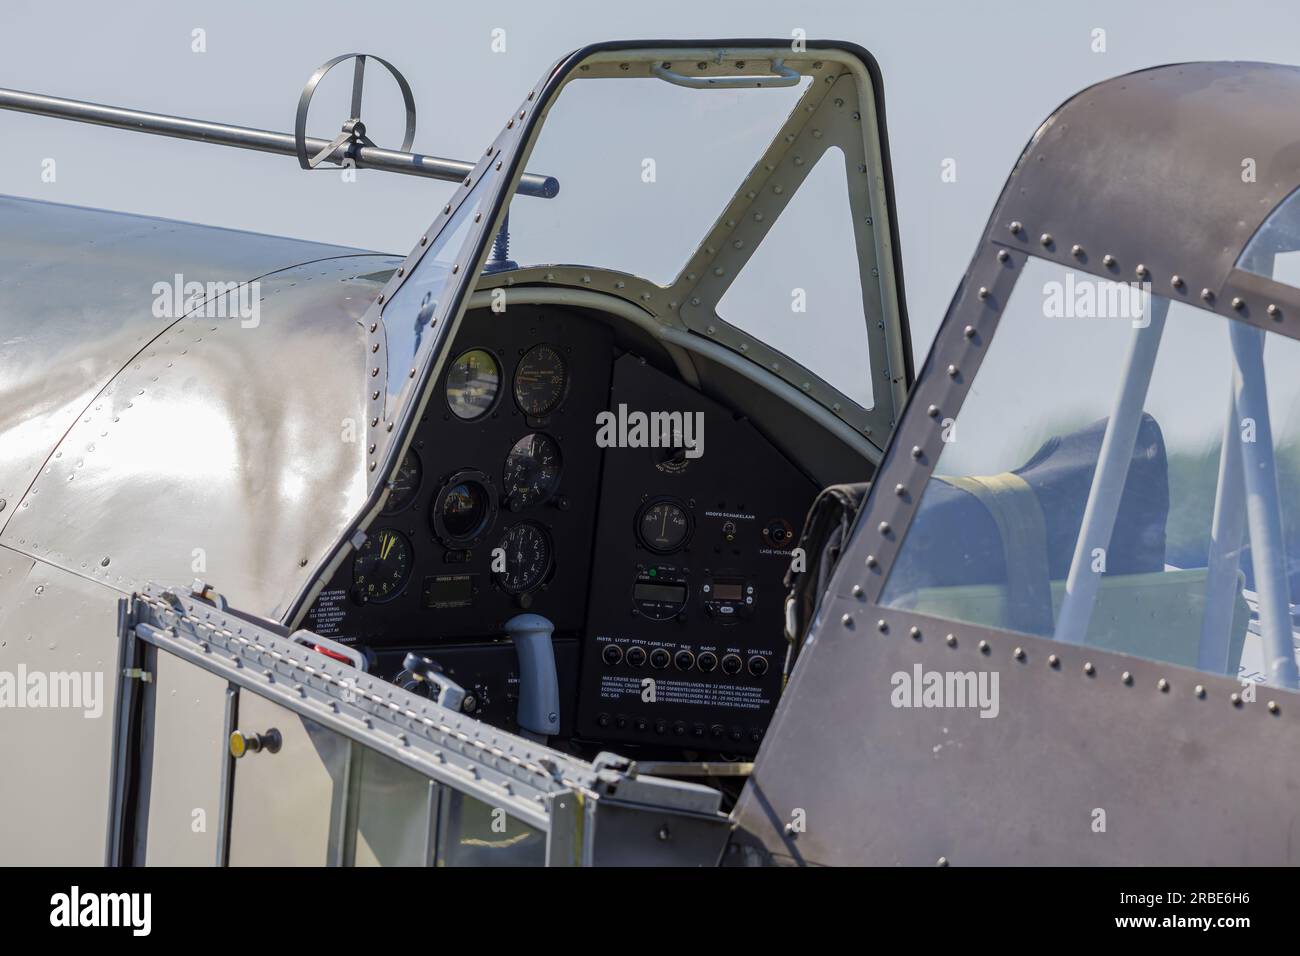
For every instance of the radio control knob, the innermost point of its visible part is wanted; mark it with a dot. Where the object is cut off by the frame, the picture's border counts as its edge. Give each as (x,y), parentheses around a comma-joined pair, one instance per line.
(731,664)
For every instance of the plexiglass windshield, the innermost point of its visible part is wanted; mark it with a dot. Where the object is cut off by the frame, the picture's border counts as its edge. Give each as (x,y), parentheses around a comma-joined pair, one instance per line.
(1134,486)
(650,166)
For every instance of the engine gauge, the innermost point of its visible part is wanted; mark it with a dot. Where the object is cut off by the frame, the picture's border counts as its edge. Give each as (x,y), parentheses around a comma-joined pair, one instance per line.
(541,381)
(532,471)
(473,382)
(406,483)
(381,567)
(663,526)
(528,557)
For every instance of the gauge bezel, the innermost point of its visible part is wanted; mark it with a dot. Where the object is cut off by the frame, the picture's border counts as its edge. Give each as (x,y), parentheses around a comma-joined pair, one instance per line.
(550,558)
(401,587)
(388,511)
(496,398)
(650,504)
(564,388)
(439,526)
(505,463)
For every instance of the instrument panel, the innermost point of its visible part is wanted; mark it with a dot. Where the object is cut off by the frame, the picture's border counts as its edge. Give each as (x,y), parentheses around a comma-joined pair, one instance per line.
(493,509)
(651,561)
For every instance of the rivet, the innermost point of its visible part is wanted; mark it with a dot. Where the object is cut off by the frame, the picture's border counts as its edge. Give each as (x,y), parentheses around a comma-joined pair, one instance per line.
(847,621)
(857,590)
(952,640)
(915,632)
(1140,271)
(900,490)
(1236,700)
(1126,678)
(1199,691)
(1207,295)
(1046,240)
(916,451)
(1238,303)
(942,861)
(1163,685)
(883,527)
(983,292)
(1088,668)
(969,331)
(1003,255)
(1053,660)
(1076,250)
(374,326)
(1272,707)
(1273,310)
(933,411)
(1018,654)
(103,563)
(952,371)
(1176,281)
(1016,227)
(984,647)
(1108,260)
(882,626)
(380,300)
(871,561)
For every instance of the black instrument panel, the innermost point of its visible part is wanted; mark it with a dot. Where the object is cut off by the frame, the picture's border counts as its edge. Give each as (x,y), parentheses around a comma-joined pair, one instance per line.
(688,591)
(529,487)
(493,509)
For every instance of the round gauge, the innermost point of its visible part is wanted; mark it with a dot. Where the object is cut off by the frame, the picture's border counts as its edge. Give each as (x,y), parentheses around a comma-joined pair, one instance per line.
(532,471)
(463,509)
(540,381)
(527,549)
(472,384)
(382,566)
(663,526)
(406,484)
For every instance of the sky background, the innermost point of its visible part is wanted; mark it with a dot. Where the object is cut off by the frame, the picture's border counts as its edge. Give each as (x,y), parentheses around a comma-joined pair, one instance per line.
(963,81)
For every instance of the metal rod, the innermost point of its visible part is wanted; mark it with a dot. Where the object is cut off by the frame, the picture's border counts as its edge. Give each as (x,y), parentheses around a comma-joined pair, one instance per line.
(1222,587)
(244,137)
(1263,505)
(1113,463)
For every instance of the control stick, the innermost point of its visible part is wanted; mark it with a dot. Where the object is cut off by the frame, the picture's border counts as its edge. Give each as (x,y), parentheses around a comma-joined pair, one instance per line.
(539,685)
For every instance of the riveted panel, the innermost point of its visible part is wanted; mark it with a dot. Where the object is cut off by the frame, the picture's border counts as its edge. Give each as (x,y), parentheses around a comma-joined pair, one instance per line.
(231,448)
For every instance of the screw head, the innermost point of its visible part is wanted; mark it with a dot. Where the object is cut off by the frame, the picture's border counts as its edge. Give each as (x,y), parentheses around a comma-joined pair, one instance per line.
(1199,691)
(1126,678)
(952,640)
(1163,685)
(1272,707)
(1238,303)
(1089,669)
(984,647)
(1273,311)
(1053,661)
(1046,240)
(1076,250)
(1003,255)
(1018,654)
(1016,227)
(1108,260)
(915,632)
(1176,281)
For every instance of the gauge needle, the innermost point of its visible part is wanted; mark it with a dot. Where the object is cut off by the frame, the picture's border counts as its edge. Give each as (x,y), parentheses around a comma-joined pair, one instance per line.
(663,532)
(387,545)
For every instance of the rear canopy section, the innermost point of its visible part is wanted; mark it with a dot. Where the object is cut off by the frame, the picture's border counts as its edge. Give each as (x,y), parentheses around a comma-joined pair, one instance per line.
(1063,631)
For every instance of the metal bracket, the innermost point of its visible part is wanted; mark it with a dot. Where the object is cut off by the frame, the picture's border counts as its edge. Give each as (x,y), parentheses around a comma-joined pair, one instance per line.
(136,673)
(353,134)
